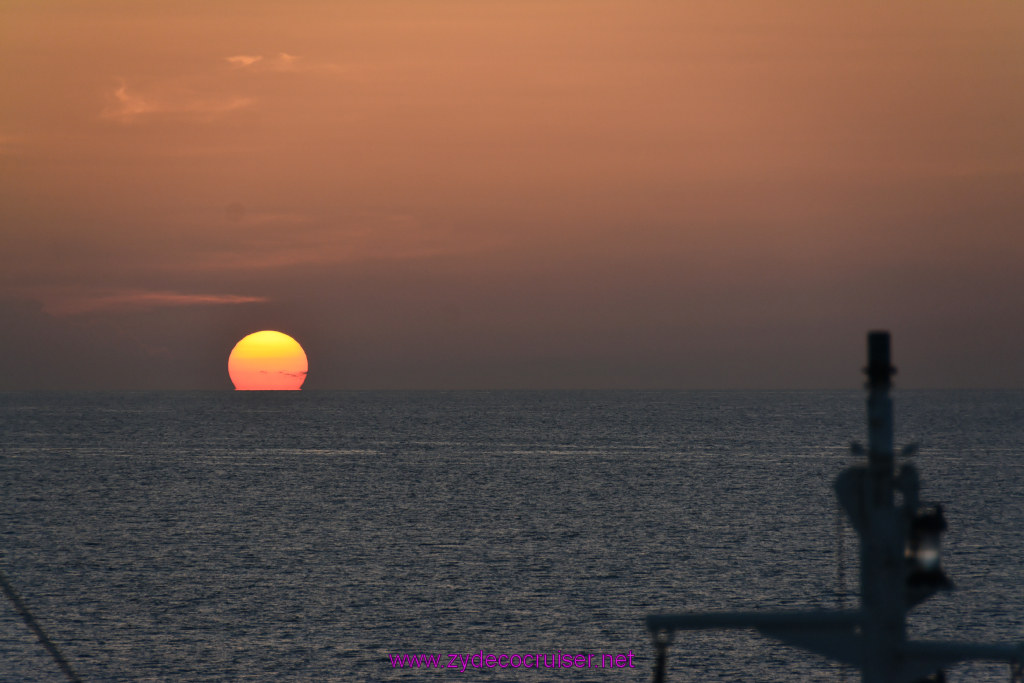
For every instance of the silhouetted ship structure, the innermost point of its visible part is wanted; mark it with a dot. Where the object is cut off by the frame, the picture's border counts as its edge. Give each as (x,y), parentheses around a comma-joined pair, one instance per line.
(899,568)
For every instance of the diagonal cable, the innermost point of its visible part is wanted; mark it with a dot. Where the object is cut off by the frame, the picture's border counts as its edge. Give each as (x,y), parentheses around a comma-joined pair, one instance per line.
(30,621)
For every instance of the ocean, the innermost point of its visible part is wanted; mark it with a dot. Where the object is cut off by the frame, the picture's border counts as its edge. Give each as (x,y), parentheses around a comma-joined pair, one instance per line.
(307,536)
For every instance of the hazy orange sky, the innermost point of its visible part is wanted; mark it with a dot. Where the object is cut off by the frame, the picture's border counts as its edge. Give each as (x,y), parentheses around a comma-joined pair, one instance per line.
(552,194)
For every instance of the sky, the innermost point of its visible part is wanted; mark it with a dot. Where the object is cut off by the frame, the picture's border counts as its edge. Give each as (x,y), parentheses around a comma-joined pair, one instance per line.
(455,194)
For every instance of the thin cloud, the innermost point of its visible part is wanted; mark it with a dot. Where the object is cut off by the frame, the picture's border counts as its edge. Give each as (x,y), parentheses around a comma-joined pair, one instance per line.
(284,62)
(62,303)
(296,64)
(236,212)
(263,244)
(128,106)
(243,60)
(197,96)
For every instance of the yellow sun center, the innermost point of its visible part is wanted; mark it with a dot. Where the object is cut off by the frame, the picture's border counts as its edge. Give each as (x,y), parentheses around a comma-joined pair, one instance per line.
(267,360)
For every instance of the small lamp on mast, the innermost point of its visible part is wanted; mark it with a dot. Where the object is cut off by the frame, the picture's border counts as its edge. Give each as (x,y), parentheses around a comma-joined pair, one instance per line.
(923,553)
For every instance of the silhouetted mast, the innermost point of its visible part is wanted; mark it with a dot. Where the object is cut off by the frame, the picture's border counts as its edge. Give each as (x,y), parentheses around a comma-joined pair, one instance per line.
(899,568)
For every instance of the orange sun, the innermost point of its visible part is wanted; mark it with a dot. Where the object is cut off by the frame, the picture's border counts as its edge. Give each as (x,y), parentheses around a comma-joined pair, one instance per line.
(267,360)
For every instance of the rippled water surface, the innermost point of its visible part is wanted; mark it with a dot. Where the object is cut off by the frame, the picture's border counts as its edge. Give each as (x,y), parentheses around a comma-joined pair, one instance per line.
(306,535)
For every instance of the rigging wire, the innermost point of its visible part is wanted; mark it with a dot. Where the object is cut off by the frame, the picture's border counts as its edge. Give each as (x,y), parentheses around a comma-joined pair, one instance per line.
(30,621)
(840,571)
(840,559)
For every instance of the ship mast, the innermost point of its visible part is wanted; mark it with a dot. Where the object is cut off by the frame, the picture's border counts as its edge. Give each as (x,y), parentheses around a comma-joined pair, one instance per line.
(899,568)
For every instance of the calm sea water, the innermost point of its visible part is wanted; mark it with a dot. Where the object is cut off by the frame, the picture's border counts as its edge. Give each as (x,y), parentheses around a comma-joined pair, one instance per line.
(304,536)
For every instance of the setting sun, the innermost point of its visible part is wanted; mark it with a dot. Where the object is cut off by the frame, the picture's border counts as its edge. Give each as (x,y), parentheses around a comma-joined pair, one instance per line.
(267,360)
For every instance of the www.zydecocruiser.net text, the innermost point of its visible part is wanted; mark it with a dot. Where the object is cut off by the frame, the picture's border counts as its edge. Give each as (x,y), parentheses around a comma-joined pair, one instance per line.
(463,662)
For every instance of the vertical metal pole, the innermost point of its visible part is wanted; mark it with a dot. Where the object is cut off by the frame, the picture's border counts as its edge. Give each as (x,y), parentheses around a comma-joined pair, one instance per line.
(882,565)
(661,642)
(880,429)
